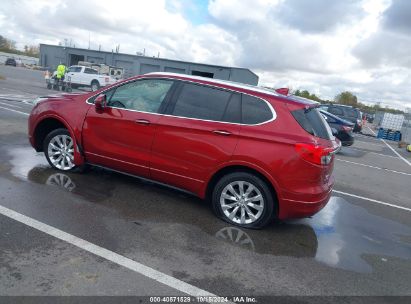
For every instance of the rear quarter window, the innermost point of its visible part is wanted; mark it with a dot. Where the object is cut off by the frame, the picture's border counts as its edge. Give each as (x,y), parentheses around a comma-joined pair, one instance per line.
(255,110)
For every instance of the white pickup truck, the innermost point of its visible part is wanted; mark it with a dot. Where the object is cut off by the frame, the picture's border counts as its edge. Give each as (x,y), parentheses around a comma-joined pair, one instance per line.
(82,76)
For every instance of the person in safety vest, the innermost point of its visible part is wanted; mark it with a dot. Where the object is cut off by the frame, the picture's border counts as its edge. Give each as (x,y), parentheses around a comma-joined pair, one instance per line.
(61,71)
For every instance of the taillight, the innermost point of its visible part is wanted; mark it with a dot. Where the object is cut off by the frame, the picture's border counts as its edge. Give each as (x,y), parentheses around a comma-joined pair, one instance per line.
(315,154)
(346,128)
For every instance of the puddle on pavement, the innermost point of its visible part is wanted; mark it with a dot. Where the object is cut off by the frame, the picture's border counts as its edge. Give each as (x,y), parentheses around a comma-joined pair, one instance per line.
(24,159)
(347,233)
(342,235)
(26,164)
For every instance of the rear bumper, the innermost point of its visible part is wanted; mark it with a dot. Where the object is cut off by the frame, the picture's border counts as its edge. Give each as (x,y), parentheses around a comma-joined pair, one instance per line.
(308,205)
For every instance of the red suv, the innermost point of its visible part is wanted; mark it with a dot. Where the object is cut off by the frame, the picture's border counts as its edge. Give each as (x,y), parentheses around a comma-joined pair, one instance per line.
(255,154)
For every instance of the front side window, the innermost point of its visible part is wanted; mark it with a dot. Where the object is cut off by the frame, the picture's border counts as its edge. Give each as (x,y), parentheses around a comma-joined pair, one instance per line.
(196,101)
(75,69)
(141,95)
(255,110)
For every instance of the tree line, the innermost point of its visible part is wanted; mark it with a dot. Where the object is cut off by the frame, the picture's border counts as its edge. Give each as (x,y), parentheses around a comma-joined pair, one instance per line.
(9,46)
(349,99)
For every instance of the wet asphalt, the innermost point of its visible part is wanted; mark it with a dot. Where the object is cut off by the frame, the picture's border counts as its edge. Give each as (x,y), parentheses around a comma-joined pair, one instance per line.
(353,246)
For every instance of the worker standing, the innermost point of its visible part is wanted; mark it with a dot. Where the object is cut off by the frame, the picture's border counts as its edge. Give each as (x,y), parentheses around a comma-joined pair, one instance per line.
(61,71)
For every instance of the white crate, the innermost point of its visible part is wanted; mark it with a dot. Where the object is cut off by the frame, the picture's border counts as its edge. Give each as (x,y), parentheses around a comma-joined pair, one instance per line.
(392,121)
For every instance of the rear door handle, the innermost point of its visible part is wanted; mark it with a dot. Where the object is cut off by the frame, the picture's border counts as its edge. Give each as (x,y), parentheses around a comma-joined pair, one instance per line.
(222,132)
(143,122)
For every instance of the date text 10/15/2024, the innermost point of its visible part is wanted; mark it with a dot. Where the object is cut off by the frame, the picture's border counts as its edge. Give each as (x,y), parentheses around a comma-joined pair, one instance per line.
(202,299)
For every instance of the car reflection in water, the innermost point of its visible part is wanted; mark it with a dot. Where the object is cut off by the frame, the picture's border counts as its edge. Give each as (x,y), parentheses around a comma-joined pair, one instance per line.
(61,180)
(98,185)
(80,184)
(343,235)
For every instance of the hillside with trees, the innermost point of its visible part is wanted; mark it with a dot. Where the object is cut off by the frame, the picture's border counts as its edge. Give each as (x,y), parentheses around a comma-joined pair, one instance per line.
(349,99)
(9,46)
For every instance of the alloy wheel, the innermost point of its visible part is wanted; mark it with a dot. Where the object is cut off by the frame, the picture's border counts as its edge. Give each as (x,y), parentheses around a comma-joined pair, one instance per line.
(61,152)
(242,202)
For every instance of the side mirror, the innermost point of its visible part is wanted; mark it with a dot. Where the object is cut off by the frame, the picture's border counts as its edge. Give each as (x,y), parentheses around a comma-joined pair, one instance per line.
(334,131)
(100,102)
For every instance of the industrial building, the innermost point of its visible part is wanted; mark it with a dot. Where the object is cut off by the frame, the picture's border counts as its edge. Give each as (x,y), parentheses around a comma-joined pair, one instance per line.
(52,55)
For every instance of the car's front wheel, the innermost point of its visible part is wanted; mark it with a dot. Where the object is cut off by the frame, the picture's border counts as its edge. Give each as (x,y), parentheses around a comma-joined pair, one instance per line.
(59,150)
(243,199)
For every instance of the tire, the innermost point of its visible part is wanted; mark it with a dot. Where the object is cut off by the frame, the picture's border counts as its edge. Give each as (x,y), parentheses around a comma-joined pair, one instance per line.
(261,209)
(56,144)
(95,85)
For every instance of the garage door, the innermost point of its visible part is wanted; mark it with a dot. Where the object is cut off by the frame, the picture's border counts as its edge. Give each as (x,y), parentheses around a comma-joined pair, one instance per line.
(148,68)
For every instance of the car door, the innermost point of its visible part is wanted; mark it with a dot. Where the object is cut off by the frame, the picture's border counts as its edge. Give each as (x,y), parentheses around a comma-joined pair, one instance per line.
(120,136)
(74,74)
(88,76)
(199,132)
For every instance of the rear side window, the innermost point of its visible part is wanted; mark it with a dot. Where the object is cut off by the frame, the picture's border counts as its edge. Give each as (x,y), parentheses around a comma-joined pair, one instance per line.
(233,110)
(255,110)
(196,101)
(352,113)
(90,71)
(336,111)
(313,122)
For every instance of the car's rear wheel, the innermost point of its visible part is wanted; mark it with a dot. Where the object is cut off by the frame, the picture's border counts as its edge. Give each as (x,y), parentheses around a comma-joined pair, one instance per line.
(243,199)
(58,147)
(95,85)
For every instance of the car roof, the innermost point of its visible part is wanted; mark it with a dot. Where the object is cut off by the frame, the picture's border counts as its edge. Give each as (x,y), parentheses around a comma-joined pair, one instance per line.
(235,86)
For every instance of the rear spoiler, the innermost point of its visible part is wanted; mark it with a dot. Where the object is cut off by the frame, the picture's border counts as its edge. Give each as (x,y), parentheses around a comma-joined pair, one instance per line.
(283,91)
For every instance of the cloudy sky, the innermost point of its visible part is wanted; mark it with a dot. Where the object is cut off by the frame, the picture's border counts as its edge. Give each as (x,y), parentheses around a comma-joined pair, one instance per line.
(325,46)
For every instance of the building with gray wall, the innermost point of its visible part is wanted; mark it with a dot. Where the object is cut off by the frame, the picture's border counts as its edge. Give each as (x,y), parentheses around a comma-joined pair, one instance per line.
(53,55)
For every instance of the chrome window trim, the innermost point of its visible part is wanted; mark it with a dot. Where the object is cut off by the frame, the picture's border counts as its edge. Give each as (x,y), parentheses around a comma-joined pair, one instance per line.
(273,113)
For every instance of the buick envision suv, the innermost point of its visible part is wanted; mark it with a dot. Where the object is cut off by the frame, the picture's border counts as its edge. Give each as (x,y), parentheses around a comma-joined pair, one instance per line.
(255,154)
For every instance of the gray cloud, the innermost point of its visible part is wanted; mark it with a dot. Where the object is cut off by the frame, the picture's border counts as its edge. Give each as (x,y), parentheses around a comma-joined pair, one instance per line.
(391,45)
(384,49)
(398,16)
(316,16)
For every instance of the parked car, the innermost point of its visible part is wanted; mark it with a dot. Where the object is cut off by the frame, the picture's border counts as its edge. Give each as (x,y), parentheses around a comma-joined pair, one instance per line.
(255,154)
(369,117)
(11,61)
(342,127)
(347,113)
(82,76)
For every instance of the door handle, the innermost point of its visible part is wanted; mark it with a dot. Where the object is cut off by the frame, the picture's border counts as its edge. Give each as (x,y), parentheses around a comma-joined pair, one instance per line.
(222,132)
(143,122)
